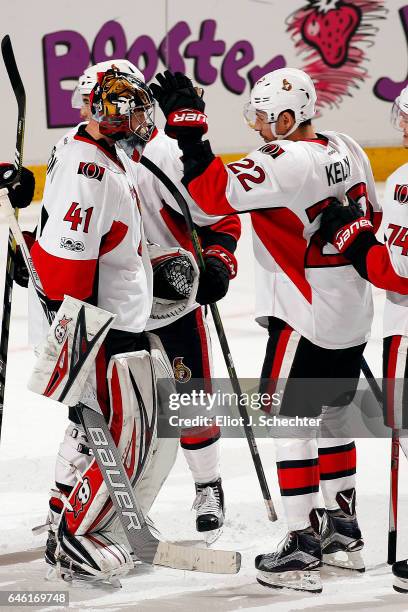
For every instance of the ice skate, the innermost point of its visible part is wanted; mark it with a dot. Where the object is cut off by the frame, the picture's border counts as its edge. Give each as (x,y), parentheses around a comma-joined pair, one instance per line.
(93,557)
(341,535)
(296,563)
(209,506)
(400,571)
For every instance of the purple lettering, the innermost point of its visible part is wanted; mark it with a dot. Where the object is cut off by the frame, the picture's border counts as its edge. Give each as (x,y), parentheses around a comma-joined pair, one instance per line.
(169,49)
(144,47)
(258,71)
(202,50)
(385,88)
(112,32)
(240,55)
(59,68)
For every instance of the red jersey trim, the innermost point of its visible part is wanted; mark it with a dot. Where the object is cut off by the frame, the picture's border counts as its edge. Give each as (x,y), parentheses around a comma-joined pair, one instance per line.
(281,232)
(208,189)
(61,277)
(113,238)
(230,225)
(381,273)
(98,146)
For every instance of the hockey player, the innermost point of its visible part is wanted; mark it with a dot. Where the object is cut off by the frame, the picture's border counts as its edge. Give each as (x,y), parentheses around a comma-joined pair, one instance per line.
(90,245)
(395,330)
(316,307)
(187,340)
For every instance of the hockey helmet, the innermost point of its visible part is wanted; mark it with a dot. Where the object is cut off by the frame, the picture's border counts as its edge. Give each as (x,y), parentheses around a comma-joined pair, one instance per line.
(124,108)
(399,111)
(281,90)
(87,80)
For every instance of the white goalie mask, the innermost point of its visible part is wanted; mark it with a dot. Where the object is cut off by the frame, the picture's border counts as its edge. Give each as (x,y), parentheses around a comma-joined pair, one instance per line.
(87,81)
(399,111)
(282,90)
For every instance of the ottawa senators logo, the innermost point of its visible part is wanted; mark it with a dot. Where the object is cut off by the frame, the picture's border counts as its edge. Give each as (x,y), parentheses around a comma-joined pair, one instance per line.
(91,171)
(401,194)
(273,150)
(181,372)
(82,497)
(286,85)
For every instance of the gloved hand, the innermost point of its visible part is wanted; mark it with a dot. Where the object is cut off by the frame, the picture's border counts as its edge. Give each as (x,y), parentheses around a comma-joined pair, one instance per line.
(20,192)
(341,225)
(182,105)
(21,275)
(220,267)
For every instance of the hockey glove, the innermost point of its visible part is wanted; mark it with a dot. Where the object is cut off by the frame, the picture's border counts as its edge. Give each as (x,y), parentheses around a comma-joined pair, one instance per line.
(346,227)
(20,192)
(21,275)
(220,267)
(182,105)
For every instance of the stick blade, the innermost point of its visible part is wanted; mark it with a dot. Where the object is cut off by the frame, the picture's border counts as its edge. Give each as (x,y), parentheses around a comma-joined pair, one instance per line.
(197,559)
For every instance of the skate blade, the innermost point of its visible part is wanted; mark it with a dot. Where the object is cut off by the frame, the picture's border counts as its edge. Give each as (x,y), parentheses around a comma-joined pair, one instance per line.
(345,560)
(308,581)
(211,536)
(400,585)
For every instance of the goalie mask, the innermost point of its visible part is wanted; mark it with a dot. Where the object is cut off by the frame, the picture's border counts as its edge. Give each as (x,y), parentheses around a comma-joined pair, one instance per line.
(279,91)
(399,112)
(88,79)
(124,108)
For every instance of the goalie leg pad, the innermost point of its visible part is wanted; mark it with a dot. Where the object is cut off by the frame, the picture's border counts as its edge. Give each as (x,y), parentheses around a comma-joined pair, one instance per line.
(132,423)
(94,555)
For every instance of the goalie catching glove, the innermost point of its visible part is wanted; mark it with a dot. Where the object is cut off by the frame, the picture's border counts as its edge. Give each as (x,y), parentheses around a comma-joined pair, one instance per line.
(182,105)
(175,283)
(21,191)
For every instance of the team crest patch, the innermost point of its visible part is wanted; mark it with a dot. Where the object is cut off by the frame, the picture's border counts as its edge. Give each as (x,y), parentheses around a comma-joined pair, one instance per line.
(91,171)
(61,329)
(272,149)
(82,497)
(401,194)
(182,373)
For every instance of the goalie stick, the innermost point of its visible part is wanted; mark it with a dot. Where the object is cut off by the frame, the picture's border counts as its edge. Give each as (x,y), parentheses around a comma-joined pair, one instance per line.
(179,198)
(18,88)
(144,544)
(394,470)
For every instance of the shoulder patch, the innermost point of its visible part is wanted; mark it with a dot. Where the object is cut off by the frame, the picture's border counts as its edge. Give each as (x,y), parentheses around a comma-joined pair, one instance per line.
(91,171)
(401,194)
(272,149)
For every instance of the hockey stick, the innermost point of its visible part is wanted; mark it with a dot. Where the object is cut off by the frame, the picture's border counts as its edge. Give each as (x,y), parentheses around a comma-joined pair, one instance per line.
(179,198)
(144,544)
(394,470)
(18,88)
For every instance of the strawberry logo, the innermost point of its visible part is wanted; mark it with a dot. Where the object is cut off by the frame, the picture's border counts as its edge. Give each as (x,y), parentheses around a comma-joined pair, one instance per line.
(329,27)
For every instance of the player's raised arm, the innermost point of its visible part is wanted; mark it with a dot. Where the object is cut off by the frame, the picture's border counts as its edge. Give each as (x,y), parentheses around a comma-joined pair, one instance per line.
(221,189)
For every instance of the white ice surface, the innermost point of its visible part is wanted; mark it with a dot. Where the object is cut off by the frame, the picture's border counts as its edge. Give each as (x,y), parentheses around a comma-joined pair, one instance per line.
(33,427)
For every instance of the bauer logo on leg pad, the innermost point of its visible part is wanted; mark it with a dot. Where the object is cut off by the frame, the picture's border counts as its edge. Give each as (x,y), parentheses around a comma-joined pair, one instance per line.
(113,471)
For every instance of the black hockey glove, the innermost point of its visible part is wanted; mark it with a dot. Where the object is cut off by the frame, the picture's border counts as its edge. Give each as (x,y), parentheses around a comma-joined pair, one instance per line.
(20,192)
(21,275)
(346,227)
(220,267)
(182,105)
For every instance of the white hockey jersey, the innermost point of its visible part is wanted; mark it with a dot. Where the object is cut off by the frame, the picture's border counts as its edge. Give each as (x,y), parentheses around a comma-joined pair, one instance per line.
(395,229)
(285,186)
(89,239)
